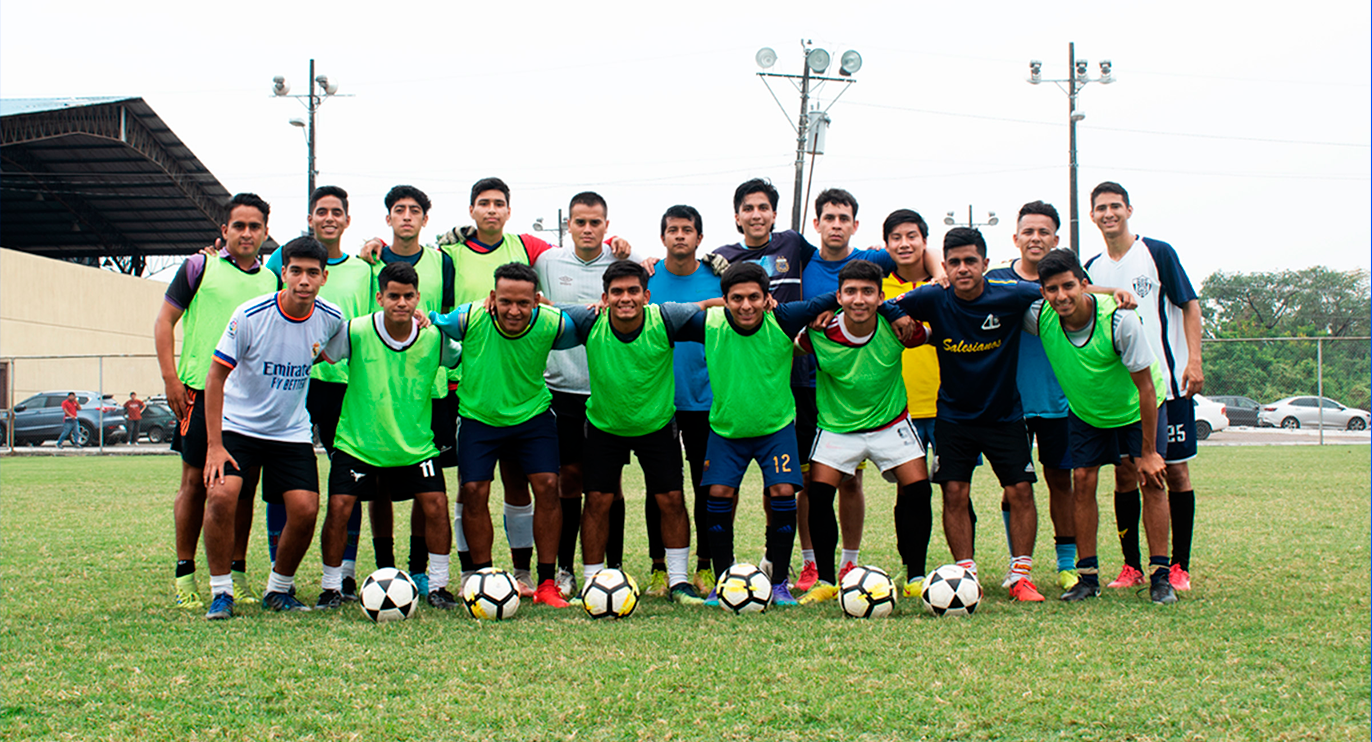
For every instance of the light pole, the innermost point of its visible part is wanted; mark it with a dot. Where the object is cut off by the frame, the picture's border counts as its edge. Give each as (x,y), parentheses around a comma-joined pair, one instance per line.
(561,226)
(991,219)
(1076,80)
(812,124)
(326,89)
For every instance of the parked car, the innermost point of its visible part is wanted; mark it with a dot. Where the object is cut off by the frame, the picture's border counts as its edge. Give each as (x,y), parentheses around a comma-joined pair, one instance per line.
(158,421)
(39,418)
(1240,410)
(1210,417)
(1297,412)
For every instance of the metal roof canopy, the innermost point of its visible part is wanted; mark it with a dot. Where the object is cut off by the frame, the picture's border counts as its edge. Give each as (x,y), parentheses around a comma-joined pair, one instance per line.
(90,178)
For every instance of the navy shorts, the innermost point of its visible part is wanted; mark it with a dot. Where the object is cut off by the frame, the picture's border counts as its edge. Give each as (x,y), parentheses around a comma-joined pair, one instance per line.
(1051,434)
(726,459)
(1093,447)
(1006,446)
(285,465)
(532,444)
(1178,429)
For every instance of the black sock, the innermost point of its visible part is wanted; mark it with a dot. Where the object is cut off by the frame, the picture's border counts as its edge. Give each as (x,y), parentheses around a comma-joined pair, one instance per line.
(480,565)
(702,541)
(972,516)
(652,517)
(1157,567)
(1088,569)
(1127,511)
(464,561)
(1183,507)
(520,558)
(384,546)
(571,525)
(782,531)
(914,526)
(719,515)
(614,545)
(185,567)
(546,572)
(419,555)
(823,528)
(239,565)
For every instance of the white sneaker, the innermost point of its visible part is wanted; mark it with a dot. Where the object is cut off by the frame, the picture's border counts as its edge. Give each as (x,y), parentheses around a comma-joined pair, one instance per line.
(765,565)
(566,583)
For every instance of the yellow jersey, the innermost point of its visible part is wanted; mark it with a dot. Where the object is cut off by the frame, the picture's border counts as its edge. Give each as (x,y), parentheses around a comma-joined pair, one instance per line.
(919,366)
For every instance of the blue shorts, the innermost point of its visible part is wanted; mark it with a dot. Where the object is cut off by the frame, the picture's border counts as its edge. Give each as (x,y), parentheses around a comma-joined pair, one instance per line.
(532,443)
(1093,447)
(1179,429)
(1051,434)
(726,459)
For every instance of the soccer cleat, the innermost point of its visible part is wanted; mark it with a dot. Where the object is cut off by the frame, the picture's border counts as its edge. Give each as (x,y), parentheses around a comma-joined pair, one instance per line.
(242,591)
(684,593)
(349,590)
(712,599)
(820,593)
(704,580)
(913,588)
(765,565)
(1160,589)
(329,599)
(283,603)
(547,595)
(1180,579)
(847,567)
(566,583)
(187,595)
(440,598)
(1129,577)
(1067,578)
(524,580)
(657,584)
(221,608)
(1081,591)
(781,595)
(1024,591)
(809,575)
(421,582)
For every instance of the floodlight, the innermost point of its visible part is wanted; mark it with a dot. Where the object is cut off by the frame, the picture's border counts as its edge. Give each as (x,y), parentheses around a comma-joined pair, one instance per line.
(298,123)
(280,88)
(765,57)
(329,87)
(949,220)
(1081,70)
(991,220)
(1035,72)
(538,224)
(1105,77)
(1078,116)
(849,63)
(817,60)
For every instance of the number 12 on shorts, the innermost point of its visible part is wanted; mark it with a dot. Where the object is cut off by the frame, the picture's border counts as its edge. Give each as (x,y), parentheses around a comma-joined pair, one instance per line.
(782,464)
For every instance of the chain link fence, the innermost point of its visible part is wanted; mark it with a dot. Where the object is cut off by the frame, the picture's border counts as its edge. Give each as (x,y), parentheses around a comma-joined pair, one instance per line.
(37,384)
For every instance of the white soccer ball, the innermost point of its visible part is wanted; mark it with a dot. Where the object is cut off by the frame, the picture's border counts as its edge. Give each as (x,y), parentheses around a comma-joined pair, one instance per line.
(388,595)
(743,588)
(491,593)
(867,592)
(610,593)
(951,590)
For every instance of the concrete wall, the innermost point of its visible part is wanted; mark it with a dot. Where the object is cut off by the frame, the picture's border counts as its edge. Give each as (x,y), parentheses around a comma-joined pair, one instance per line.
(53,308)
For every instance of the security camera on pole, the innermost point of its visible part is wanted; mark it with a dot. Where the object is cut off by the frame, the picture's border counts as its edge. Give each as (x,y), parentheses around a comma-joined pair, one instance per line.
(326,88)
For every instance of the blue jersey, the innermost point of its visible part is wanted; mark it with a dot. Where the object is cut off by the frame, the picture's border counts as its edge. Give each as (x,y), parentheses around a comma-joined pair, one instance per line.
(784,257)
(978,347)
(821,277)
(1039,391)
(688,364)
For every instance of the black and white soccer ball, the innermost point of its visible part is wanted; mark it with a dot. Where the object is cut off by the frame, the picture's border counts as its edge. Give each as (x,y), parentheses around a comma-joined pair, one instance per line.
(743,588)
(388,594)
(610,593)
(491,593)
(951,590)
(867,592)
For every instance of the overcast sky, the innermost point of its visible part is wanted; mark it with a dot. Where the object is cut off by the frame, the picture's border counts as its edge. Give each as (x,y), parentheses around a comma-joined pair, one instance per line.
(1241,130)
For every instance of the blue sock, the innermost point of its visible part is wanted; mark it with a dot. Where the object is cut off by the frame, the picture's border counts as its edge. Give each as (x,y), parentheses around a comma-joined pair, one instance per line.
(1005,517)
(276,521)
(354,533)
(1066,549)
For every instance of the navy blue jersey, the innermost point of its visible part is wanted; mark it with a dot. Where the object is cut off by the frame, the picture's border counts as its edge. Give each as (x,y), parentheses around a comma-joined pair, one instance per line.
(978,347)
(784,257)
(1039,391)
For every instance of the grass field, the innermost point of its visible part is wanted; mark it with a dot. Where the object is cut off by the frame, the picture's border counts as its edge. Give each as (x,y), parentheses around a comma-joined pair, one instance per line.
(1271,644)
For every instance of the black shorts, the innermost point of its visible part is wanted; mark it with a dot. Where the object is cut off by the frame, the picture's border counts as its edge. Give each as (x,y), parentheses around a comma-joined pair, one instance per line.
(659,454)
(1093,447)
(351,476)
(188,437)
(694,429)
(532,444)
(285,466)
(570,410)
(324,401)
(443,421)
(807,421)
(1006,446)
(1051,434)
(1179,430)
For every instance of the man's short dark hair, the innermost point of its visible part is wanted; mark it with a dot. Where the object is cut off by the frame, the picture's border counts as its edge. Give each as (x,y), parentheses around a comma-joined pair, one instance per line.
(756,185)
(963,236)
(860,270)
(407,191)
(1109,186)
(682,211)
(1042,209)
(903,216)
(490,184)
(744,273)
(397,272)
(304,248)
(1060,261)
(590,199)
(516,272)
(247,199)
(837,197)
(623,269)
(335,191)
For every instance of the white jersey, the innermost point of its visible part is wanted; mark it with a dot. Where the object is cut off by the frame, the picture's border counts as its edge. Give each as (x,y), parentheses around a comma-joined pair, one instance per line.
(1153,273)
(269,355)
(567,279)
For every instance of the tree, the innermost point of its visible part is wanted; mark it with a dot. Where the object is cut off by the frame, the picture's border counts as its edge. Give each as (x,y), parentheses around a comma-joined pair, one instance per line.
(1306,303)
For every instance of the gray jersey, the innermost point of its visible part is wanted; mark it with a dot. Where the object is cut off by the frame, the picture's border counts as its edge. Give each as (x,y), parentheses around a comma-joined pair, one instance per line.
(1130,340)
(566,279)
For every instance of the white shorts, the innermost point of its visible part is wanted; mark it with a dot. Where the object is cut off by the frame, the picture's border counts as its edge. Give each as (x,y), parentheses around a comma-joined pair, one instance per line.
(888,448)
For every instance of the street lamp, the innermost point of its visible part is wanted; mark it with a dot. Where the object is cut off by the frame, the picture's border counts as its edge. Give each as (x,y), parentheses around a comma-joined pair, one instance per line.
(991,219)
(1079,69)
(321,88)
(560,228)
(813,124)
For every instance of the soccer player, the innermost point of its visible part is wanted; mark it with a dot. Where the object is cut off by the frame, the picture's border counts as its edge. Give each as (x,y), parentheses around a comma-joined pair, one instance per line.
(205,292)
(385,441)
(1045,406)
(1171,314)
(682,278)
(1102,355)
(255,420)
(863,414)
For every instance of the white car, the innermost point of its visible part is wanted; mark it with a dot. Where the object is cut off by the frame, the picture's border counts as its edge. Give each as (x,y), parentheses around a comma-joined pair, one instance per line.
(1297,412)
(1210,417)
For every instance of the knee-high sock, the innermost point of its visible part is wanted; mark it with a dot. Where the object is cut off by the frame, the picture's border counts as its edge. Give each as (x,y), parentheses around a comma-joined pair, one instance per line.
(914,526)
(614,545)
(782,532)
(354,532)
(464,554)
(652,517)
(823,528)
(972,516)
(1127,511)
(1183,507)
(519,529)
(384,548)
(419,554)
(702,539)
(276,521)
(719,518)
(571,526)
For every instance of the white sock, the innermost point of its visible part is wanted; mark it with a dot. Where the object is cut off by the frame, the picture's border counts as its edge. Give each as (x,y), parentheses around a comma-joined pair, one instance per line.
(457,528)
(676,565)
(332,579)
(279,583)
(588,570)
(807,555)
(438,571)
(221,584)
(1020,567)
(849,555)
(519,525)
(349,568)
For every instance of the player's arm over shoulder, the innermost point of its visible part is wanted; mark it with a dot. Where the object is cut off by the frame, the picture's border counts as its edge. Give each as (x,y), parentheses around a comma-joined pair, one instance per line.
(1131,341)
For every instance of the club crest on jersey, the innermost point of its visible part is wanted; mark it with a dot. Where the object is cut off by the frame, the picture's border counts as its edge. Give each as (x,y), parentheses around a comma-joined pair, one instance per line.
(992,322)
(1142,286)
(314,350)
(783,265)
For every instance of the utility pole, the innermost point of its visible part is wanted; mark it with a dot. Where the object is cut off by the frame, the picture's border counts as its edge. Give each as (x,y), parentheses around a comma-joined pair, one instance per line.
(325,89)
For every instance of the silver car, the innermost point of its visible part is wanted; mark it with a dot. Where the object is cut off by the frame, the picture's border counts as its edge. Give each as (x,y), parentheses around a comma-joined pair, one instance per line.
(1297,412)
